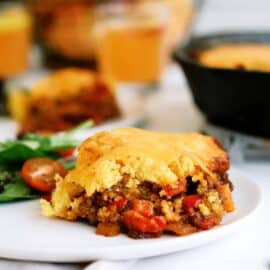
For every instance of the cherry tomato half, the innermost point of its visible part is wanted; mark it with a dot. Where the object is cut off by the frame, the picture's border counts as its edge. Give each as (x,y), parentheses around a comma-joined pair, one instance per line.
(39,173)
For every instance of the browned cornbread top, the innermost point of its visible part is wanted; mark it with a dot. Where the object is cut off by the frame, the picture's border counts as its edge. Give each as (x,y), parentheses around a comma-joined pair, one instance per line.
(160,158)
(143,155)
(237,56)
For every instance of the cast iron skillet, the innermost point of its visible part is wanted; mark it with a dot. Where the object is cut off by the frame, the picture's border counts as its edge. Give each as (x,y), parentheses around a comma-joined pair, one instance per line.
(233,99)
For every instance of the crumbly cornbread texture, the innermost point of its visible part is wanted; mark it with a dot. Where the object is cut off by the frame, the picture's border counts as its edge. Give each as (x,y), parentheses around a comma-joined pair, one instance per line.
(137,155)
(65,99)
(68,82)
(237,56)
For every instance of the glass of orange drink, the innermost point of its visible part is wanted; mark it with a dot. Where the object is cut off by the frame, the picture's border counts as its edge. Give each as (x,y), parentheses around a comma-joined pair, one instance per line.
(15,39)
(131,41)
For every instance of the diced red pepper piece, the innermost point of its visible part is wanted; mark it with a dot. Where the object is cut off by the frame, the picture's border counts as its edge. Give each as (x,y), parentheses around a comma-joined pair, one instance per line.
(146,208)
(206,223)
(120,203)
(191,202)
(134,220)
(171,191)
(47,197)
(67,152)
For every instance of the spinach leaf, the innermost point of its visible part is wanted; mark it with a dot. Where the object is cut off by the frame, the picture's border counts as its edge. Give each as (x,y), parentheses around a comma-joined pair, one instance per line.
(68,163)
(12,186)
(17,152)
(14,153)
(59,141)
(35,145)
(16,190)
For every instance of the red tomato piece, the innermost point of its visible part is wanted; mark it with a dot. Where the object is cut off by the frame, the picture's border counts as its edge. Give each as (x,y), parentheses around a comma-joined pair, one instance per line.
(67,152)
(146,208)
(134,220)
(191,202)
(160,220)
(171,191)
(47,197)
(120,203)
(206,223)
(180,228)
(39,173)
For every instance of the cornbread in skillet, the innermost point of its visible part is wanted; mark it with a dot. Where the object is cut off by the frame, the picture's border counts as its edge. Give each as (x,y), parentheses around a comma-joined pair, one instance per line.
(145,183)
(66,98)
(242,56)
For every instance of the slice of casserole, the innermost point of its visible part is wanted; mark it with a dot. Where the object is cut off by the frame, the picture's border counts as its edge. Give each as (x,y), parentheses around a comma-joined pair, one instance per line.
(64,99)
(145,183)
(241,56)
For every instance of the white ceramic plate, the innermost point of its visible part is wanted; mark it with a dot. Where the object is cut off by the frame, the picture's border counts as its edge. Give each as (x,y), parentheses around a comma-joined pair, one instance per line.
(26,235)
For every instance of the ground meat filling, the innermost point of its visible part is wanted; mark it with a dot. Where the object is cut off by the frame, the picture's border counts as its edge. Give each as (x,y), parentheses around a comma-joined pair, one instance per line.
(96,103)
(149,209)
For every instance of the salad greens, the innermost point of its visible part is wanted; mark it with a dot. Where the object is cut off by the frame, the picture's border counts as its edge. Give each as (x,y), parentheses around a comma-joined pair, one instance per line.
(14,153)
(36,145)
(16,190)
(12,186)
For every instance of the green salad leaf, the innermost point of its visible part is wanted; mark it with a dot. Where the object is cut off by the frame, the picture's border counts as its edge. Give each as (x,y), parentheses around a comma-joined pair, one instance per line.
(68,163)
(16,190)
(17,151)
(35,145)
(14,153)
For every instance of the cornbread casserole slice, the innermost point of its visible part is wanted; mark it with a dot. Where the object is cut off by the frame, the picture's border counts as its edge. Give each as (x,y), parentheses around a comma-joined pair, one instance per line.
(145,183)
(64,99)
(243,56)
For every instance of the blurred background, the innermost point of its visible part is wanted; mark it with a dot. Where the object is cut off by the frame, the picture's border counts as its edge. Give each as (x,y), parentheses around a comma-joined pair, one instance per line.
(70,32)
(131,42)
(67,30)
(219,15)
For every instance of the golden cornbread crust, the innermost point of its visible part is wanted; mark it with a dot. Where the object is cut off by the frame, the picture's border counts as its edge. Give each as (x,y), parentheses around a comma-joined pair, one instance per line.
(67,82)
(237,56)
(66,98)
(144,155)
(123,162)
